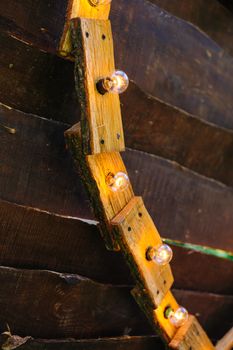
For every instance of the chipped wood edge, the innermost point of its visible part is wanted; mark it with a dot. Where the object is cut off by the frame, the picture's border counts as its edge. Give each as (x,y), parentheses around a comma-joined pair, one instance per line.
(73,139)
(78,8)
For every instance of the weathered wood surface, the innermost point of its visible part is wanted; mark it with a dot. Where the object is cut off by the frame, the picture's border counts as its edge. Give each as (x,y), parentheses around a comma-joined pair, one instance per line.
(69,245)
(226,343)
(209,15)
(40,83)
(184,205)
(46,304)
(127,343)
(155,127)
(200,85)
(191,335)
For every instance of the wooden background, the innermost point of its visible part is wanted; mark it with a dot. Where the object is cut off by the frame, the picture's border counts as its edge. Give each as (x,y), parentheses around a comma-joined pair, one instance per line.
(56,278)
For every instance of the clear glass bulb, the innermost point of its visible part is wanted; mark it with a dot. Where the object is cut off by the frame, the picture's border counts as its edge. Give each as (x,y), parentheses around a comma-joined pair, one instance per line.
(117,182)
(161,255)
(178,317)
(99,2)
(117,83)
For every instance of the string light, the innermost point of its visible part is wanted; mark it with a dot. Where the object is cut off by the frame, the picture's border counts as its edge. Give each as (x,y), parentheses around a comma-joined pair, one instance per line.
(161,255)
(116,83)
(178,317)
(118,182)
(99,2)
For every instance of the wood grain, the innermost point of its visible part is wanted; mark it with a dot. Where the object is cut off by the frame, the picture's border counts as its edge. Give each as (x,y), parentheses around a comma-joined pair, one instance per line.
(191,335)
(202,89)
(136,232)
(100,114)
(68,305)
(216,21)
(66,244)
(197,208)
(79,8)
(128,343)
(226,343)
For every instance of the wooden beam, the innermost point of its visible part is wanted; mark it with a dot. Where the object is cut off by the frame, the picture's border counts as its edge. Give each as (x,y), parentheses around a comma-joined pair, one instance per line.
(226,343)
(101,123)
(191,335)
(135,233)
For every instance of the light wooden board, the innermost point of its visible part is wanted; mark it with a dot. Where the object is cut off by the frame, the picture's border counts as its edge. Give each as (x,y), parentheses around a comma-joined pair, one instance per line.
(167,328)
(100,166)
(100,114)
(226,343)
(136,233)
(79,8)
(191,336)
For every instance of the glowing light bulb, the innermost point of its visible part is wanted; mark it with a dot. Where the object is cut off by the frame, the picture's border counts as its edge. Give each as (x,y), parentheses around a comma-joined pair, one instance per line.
(98,2)
(118,182)
(161,255)
(117,83)
(178,317)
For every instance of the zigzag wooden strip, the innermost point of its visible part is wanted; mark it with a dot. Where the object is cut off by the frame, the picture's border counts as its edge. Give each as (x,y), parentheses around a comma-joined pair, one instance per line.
(135,233)
(101,122)
(191,336)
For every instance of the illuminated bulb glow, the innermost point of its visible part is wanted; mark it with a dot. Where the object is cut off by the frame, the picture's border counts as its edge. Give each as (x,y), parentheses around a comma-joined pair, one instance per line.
(178,317)
(117,83)
(161,255)
(99,2)
(118,182)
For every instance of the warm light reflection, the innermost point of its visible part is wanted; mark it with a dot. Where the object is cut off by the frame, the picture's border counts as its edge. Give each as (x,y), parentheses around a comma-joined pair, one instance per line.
(118,182)
(161,255)
(178,317)
(116,83)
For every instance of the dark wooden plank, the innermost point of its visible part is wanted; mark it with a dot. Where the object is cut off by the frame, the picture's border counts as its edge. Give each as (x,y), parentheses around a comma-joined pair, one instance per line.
(158,128)
(69,245)
(175,61)
(165,65)
(127,343)
(209,15)
(37,172)
(46,304)
(36,82)
(38,23)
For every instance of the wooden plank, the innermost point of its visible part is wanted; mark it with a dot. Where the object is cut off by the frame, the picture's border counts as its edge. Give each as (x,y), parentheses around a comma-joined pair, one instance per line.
(191,335)
(100,166)
(216,22)
(171,133)
(80,8)
(100,114)
(166,66)
(94,171)
(226,343)
(128,343)
(46,304)
(191,201)
(136,232)
(54,240)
